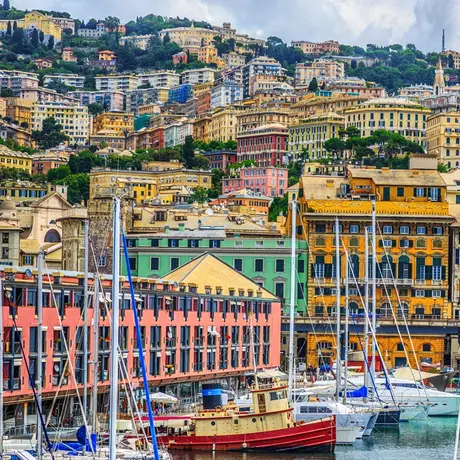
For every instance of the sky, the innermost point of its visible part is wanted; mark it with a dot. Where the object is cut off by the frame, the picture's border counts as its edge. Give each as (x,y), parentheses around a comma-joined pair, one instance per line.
(355,22)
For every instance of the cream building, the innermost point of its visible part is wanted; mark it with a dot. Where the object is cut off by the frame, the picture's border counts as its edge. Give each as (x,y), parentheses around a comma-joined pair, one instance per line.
(223,125)
(116,82)
(392,114)
(73,118)
(320,69)
(310,134)
(443,137)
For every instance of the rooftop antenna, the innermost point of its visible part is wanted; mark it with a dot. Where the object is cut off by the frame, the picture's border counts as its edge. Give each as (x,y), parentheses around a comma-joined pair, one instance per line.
(443,40)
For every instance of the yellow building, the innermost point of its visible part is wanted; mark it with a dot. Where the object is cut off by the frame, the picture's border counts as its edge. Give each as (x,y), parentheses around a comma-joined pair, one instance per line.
(313,104)
(73,118)
(223,125)
(185,36)
(35,20)
(392,114)
(207,53)
(413,266)
(202,128)
(19,110)
(11,159)
(116,82)
(107,55)
(143,186)
(453,56)
(443,137)
(119,122)
(310,134)
(255,117)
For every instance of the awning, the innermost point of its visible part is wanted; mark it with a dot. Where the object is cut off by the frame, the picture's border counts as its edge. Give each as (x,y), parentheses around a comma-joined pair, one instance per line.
(162,398)
(272,374)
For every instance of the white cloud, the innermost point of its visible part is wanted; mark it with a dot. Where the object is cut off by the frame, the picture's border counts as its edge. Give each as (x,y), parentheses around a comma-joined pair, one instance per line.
(349,21)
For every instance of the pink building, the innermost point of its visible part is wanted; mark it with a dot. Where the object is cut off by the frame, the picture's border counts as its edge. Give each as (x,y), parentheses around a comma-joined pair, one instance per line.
(266,145)
(269,181)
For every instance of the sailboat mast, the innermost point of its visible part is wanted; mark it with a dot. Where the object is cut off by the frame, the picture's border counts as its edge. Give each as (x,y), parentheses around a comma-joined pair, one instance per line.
(366,303)
(1,373)
(292,300)
(95,353)
(38,366)
(374,288)
(337,308)
(114,335)
(347,318)
(85,326)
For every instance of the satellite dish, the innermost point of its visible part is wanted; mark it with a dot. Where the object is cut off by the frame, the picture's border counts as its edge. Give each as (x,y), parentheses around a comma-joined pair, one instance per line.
(28,273)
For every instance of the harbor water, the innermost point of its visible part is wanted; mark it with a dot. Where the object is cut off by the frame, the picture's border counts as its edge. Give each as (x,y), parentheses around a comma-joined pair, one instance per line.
(424,440)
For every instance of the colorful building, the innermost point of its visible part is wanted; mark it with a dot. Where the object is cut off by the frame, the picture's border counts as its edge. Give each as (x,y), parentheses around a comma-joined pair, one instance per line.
(113,101)
(266,145)
(443,137)
(246,202)
(269,181)
(223,124)
(73,118)
(220,159)
(116,82)
(321,69)
(311,134)
(67,55)
(225,93)
(199,330)
(12,159)
(44,162)
(19,110)
(180,94)
(159,79)
(197,76)
(259,66)
(119,122)
(392,114)
(77,81)
(412,259)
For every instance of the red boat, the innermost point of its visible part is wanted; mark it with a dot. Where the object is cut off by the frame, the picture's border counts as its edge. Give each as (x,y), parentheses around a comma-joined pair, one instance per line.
(269,426)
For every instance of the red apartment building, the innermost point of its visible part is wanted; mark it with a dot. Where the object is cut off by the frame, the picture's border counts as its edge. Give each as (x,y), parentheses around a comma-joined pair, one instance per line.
(266,145)
(192,330)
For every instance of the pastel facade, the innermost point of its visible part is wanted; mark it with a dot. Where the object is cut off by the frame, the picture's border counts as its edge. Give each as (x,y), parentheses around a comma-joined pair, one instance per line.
(225,93)
(112,101)
(269,181)
(159,79)
(443,137)
(116,83)
(198,76)
(77,81)
(320,69)
(119,122)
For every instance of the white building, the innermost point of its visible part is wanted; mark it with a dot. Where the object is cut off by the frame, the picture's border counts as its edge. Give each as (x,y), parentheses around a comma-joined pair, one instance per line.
(198,76)
(116,83)
(73,118)
(138,41)
(320,69)
(159,79)
(226,93)
(98,32)
(71,79)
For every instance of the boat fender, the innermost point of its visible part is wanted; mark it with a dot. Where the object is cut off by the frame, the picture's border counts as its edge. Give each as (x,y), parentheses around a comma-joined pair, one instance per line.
(218,408)
(244,445)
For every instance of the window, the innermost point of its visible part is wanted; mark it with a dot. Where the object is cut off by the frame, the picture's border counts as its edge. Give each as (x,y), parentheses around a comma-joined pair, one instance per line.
(131,243)
(279,290)
(238,264)
(154,263)
(259,265)
(154,243)
(174,262)
(421,230)
(387,243)
(457,199)
(301,266)
(320,228)
(387,229)
(214,243)
(437,230)
(426,347)
(404,230)
(28,260)
(436,293)
(173,243)
(400,191)
(419,192)
(354,228)
(102,261)
(279,265)
(419,293)
(132,263)
(193,243)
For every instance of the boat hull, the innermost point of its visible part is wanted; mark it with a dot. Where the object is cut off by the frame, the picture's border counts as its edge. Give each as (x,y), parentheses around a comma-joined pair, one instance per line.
(317,436)
(388,418)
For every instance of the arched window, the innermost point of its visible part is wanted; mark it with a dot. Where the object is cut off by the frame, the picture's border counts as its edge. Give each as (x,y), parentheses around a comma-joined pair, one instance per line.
(448,140)
(385,310)
(426,347)
(387,269)
(353,308)
(353,267)
(404,268)
(403,310)
(52,236)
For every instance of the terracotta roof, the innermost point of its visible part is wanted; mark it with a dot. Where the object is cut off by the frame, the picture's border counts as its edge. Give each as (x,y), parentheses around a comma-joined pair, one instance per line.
(427,178)
(208,270)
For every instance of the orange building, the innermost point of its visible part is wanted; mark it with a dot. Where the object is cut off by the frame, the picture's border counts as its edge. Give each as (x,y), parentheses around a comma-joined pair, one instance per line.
(67,55)
(107,55)
(244,202)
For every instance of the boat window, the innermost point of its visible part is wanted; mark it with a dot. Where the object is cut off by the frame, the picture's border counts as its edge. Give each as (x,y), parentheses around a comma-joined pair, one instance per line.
(405,385)
(276,395)
(324,410)
(308,410)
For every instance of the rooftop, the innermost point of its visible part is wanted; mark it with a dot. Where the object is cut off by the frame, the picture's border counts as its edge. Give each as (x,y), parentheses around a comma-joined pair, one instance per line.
(209,271)
(425,178)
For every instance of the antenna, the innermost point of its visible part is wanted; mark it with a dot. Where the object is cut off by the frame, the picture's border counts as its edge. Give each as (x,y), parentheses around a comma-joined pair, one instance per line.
(443,40)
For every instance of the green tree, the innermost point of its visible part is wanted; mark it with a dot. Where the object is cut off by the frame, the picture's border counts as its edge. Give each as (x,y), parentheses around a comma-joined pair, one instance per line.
(35,38)
(6,5)
(313,85)
(112,23)
(24,124)
(51,42)
(18,36)
(84,162)
(9,29)
(188,152)
(58,174)
(95,109)
(50,135)
(78,187)
(166,38)
(15,26)
(42,36)
(450,60)
(279,205)
(200,195)
(335,146)
(6,92)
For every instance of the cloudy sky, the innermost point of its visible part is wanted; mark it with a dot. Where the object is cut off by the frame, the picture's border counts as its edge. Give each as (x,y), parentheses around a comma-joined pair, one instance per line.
(356,22)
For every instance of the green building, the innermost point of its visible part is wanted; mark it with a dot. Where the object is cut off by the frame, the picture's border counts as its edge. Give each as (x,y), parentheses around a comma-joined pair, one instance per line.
(262,256)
